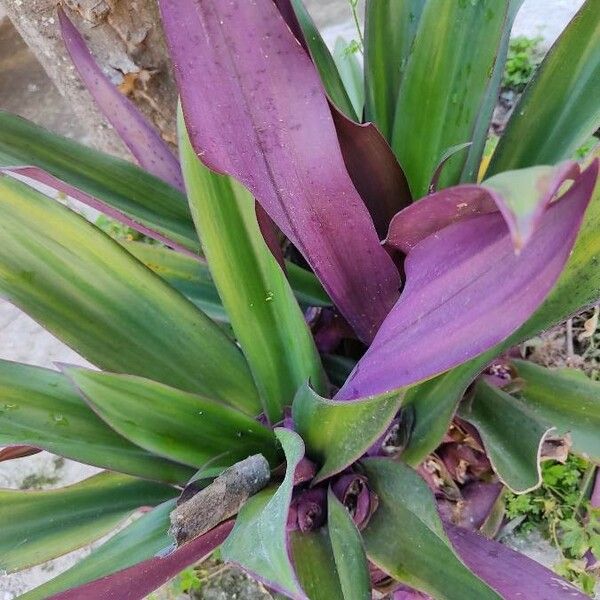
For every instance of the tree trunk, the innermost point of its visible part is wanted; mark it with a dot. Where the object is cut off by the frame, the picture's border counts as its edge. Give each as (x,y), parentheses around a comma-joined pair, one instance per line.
(126,38)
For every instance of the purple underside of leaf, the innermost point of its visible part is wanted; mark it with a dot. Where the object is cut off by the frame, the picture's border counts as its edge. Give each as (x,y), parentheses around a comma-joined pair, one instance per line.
(146,145)
(435,212)
(440,209)
(136,582)
(466,291)
(255,109)
(12,452)
(33,175)
(512,575)
(371,163)
(405,593)
(471,512)
(374,170)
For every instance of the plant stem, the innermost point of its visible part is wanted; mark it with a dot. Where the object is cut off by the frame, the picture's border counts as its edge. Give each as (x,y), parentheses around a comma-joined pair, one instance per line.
(353,8)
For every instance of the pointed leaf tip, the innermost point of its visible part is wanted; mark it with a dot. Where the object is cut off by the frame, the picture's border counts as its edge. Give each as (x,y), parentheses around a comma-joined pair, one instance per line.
(146,144)
(239,94)
(466,291)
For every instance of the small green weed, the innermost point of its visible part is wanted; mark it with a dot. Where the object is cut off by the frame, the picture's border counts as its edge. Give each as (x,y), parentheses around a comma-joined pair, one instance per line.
(523,58)
(560,510)
(181,586)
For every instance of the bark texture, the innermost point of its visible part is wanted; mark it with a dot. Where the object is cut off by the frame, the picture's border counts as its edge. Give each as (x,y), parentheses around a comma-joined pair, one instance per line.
(126,38)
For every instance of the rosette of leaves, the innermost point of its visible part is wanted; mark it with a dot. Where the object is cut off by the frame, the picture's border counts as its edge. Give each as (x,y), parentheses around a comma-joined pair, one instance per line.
(285,410)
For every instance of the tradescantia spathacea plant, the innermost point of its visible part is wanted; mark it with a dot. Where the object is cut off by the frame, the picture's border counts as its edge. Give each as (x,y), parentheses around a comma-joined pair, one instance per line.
(311,370)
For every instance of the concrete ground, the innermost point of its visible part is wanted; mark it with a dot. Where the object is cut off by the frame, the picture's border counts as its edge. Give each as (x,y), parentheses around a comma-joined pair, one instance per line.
(24,89)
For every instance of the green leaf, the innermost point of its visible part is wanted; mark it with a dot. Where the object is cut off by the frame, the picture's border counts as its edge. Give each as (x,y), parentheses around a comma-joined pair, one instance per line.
(39,407)
(390,29)
(192,278)
(338,368)
(188,276)
(188,428)
(93,295)
(338,433)
(481,128)
(262,309)
(348,551)
(564,399)
(258,541)
(435,401)
(405,537)
(38,526)
(306,286)
(350,70)
(120,184)
(511,434)
(143,539)
(455,45)
(559,109)
(330,76)
(574,538)
(315,565)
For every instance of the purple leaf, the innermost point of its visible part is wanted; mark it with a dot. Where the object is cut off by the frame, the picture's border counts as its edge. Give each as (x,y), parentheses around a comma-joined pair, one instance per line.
(371,163)
(374,169)
(308,510)
(471,512)
(512,575)
(43,177)
(136,582)
(269,233)
(521,196)
(255,109)
(149,149)
(466,291)
(289,15)
(353,491)
(406,593)
(11,452)
(434,212)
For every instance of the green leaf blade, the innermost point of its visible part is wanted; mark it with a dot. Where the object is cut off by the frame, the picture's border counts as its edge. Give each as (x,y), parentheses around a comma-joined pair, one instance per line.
(315,565)
(559,109)
(338,433)
(39,407)
(38,526)
(567,400)
(118,183)
(511,435)
(262,309)
(93,295)
(441,110)
(191,429)
(390,29)
(348,552)
(406,539)
(141,540)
